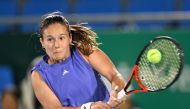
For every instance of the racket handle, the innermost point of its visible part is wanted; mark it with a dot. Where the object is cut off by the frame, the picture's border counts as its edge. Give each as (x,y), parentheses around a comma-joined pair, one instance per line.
(121,95)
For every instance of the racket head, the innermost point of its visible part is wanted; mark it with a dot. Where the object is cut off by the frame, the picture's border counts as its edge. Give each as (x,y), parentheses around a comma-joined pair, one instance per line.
(156,77)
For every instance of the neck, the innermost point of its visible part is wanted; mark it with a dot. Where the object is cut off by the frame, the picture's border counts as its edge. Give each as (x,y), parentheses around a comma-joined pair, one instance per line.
(53,61)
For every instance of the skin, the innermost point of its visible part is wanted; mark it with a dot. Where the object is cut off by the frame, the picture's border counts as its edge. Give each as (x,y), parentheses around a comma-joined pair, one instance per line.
(56,42)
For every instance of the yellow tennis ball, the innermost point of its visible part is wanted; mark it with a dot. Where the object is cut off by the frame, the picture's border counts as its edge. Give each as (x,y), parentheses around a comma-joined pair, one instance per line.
(154,56)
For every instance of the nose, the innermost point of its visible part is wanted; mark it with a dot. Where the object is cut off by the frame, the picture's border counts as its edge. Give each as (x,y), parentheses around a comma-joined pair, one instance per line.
(56,44)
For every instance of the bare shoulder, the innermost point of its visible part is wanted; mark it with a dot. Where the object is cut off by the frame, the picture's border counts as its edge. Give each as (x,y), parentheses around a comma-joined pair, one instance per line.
(36,79)
(35,76)
(96,52)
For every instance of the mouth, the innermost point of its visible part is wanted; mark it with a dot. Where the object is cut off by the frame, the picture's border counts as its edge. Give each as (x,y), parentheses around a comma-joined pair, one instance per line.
(57,52)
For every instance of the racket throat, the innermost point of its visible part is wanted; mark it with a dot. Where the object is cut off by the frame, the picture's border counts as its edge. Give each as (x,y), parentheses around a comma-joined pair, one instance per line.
(130,80)
(127,86)
(140,84)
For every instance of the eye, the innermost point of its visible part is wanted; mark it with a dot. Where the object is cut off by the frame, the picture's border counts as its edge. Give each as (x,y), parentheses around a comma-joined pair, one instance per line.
(49,39)
(62,38)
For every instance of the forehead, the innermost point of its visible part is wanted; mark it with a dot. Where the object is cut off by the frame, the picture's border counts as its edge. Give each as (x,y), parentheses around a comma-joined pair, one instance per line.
(55,29)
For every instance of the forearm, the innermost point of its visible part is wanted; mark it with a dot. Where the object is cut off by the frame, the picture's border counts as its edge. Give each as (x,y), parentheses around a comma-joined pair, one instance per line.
(117,82)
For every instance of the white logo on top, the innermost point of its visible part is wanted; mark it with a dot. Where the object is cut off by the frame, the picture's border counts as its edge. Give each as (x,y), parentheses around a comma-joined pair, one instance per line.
(65,72)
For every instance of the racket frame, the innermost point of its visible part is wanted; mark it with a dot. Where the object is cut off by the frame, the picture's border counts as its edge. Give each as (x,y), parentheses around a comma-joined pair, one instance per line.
(135,68)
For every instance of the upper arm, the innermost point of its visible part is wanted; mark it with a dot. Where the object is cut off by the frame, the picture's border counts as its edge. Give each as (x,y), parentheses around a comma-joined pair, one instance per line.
(102,63)
(43,93)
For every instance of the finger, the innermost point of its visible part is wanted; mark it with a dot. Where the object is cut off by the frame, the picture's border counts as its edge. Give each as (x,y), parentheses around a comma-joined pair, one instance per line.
(100,105)
(113,102)
(116,89)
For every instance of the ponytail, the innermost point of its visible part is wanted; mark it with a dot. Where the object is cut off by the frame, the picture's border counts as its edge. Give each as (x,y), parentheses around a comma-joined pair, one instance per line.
(83,38)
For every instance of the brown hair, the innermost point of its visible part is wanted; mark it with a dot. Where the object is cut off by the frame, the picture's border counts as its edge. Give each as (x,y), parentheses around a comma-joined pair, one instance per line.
(82,37)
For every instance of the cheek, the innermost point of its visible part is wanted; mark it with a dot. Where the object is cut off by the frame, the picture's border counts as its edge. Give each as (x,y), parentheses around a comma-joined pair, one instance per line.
(48,48)
(47,45)
(65,44)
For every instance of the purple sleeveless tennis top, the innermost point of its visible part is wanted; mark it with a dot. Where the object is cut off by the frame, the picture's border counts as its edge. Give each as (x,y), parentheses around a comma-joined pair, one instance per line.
(73,81)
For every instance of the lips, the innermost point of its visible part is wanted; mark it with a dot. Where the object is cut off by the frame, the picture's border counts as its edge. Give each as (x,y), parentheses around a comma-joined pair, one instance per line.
(56,52)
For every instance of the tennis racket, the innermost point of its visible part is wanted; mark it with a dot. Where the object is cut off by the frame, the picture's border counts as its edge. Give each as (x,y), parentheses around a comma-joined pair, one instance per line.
(151,77)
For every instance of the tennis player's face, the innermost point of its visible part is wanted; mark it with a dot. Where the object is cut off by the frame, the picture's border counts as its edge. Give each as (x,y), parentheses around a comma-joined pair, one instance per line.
(56,41)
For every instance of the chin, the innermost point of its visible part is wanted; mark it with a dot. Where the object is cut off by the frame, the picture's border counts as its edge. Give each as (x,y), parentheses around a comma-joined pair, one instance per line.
(59,57)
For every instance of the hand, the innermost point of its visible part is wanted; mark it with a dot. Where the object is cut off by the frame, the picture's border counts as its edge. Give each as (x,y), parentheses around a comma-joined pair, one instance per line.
(113,101)
(100,105)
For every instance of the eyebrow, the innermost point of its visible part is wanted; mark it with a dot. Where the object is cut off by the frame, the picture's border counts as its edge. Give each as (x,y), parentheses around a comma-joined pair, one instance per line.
(48,36)
(62,34)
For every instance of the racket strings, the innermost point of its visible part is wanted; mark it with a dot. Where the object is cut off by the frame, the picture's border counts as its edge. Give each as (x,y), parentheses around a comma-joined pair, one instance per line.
(159,76)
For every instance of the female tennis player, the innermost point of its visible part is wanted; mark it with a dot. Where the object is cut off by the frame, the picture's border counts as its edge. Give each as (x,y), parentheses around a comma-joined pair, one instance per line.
(68,76)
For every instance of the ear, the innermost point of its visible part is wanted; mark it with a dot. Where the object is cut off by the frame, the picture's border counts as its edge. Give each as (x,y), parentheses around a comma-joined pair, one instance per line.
(70,40)
(41,41)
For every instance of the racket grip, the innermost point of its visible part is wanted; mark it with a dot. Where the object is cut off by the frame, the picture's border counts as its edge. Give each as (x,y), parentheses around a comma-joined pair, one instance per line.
(121,95)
